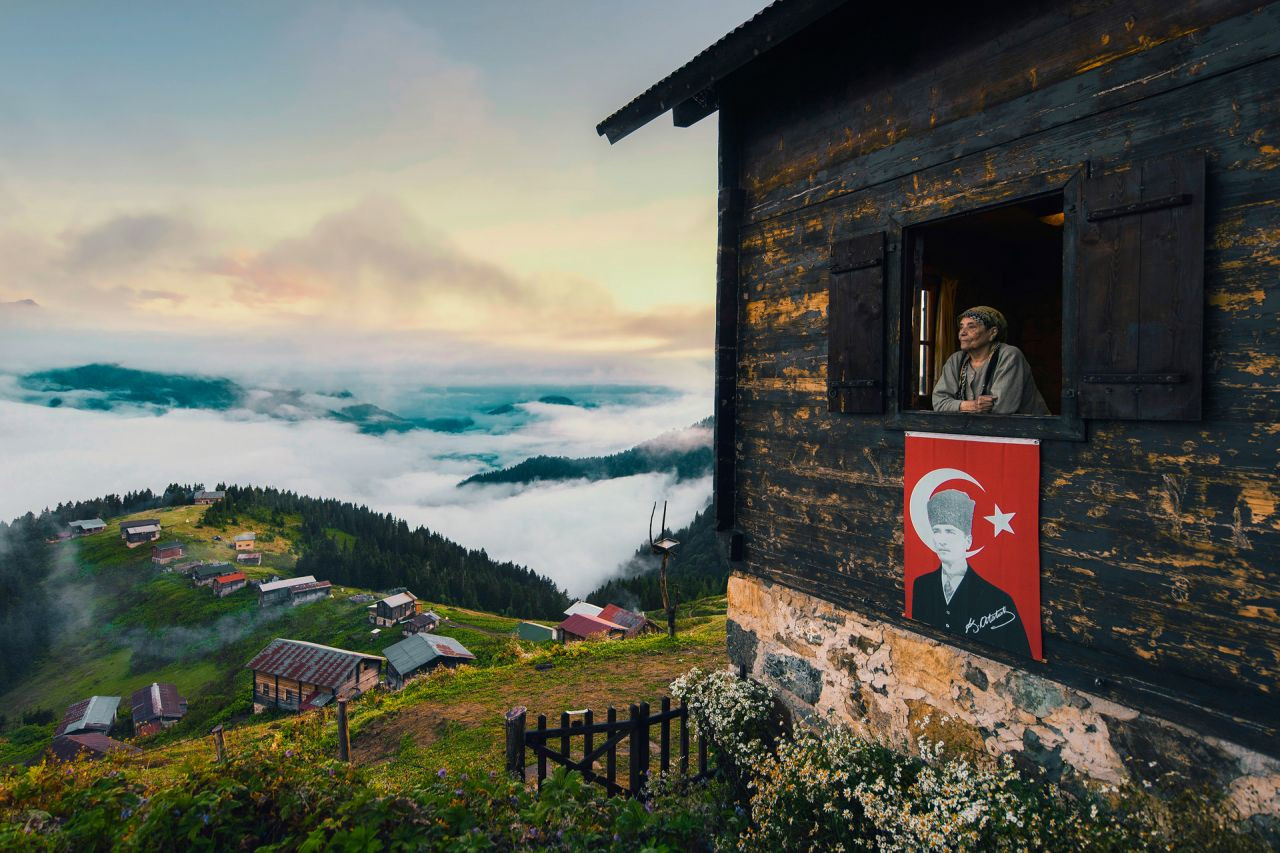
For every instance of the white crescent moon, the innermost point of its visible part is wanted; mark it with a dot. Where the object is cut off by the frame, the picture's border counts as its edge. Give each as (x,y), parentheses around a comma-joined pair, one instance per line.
(918,506)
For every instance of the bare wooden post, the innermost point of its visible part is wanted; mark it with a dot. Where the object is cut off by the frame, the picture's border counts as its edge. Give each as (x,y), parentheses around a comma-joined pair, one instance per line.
(515,741)
(542,759)
(588,743)
(219,745)
(564,735)
(639,749)
(611,757)
(684,738)
(344,736)
(664,754)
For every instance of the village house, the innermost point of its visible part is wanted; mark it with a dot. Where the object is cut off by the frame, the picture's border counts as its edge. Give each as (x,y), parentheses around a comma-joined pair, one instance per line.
(580,626)
(293,591)
(205,575)
(156,707)
(206,498)
(1105,176)
(163,555)
(224,585)
(135,533)
(305,593)
(244,541)
(87,526)
(95,714)
(582,607)
(91,745)
(393,609)
(249,558)
(421,653)
(634,624)
(297,676)
(535,633)
(421,623)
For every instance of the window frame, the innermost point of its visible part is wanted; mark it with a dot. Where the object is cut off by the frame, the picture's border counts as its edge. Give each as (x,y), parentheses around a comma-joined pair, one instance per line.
(899,300)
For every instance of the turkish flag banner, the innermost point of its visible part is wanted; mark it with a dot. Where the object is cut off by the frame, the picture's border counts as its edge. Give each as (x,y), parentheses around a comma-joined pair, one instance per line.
(972,538)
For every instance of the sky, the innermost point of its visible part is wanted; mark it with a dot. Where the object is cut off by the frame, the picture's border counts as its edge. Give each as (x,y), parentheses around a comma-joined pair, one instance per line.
(375,196)
(333,181)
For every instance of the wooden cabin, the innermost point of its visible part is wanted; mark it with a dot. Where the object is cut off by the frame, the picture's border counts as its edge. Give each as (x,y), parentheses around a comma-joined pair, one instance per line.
(244,541)
(421,653)
(1108,176)
(392,609)
(206,574)
(420,623)
(165,553)
(581,626)
(86,526)
(224,585)
(298,676)
(205,498)
(97,714)
(156,707)
(139,532)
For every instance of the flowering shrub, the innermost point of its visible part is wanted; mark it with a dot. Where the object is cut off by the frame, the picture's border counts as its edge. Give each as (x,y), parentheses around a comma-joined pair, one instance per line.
(735,714)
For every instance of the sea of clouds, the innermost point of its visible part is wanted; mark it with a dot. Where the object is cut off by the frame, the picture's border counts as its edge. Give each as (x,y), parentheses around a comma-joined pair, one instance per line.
(577,532)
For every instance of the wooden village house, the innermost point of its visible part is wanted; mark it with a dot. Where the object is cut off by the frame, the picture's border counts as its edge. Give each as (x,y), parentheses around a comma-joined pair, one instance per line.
(298,676)
(224,585)
(421,623)
(392,609)
(87,526)
(205,498)
(166,553)
(249,558)
(156,707)
(244,541)
(1106,175)
(205,574)
(95,714)
(580,626)
(135,533)
(421,653)
(293,591)
(633,624)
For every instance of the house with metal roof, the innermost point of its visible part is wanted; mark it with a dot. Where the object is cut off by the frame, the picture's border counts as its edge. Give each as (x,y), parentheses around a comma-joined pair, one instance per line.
(205,498)
(634,623)
(582,607)
(87,526)
(91,745)
(166,553)
(297,676)
(244,541)
(95,714)
(422,623)
(393,609)
(305,593)
(580,626)
(140,531)
(420,653)
(204,575)
(535,633)
(249,558)
(156,706)
(277,592)
(224,585)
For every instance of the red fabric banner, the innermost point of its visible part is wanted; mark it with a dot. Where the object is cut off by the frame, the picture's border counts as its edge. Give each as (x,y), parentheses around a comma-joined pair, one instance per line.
(971,512)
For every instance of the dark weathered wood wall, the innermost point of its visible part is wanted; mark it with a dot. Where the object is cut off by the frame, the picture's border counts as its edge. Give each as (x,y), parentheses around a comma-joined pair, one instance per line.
(1160,540)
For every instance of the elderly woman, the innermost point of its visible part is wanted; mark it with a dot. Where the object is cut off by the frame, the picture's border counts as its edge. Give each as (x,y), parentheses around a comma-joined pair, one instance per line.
(987,375)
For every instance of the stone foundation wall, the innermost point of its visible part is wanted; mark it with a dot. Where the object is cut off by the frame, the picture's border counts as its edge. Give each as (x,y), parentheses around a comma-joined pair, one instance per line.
(892,685)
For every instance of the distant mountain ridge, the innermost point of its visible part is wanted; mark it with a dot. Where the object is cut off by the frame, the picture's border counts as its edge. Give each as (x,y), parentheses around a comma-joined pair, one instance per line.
(686,453)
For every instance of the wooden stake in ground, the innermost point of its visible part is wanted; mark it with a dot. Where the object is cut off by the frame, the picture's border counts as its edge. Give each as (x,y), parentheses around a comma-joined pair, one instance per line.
(663,547)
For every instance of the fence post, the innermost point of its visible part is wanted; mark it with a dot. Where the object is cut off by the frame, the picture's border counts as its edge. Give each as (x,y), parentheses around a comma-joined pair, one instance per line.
(588,743)
(542,758)
(684,738)
(639,749)
(515,741)
(219,745)
(611,756)
(664,754)
(344,737)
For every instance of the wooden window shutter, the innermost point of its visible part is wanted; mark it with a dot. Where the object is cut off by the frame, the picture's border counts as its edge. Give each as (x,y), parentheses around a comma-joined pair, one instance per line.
(1138,239)
(855,325)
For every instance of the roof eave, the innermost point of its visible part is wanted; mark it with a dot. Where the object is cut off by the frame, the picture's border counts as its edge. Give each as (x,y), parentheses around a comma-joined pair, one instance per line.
(691,91)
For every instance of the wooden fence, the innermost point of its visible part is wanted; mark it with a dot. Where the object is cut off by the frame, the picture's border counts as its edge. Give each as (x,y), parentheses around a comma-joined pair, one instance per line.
(574,745)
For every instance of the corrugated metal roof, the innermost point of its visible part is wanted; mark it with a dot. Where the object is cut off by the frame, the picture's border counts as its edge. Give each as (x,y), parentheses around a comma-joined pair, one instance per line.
(418,650)
(310,663)
(94,713)
(169,545)
(155,701)
(399,600)
(287,582)
(210,571)
(231,578)
(87,522)
(582,607)
(138,530)
(768,28)
(582,625)
(625,618)
(92,744)
(126,526)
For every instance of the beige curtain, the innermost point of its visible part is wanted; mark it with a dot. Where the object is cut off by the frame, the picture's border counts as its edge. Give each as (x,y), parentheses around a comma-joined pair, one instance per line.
(944,329)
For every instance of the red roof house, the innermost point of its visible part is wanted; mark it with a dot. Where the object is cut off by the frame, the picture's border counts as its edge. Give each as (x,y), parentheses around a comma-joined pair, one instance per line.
(580,626)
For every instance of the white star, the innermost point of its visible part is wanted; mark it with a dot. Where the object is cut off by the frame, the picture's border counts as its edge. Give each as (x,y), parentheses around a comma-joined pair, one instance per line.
(1000,521)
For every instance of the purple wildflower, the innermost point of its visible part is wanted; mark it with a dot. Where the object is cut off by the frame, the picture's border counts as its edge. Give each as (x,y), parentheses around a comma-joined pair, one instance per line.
(441,773)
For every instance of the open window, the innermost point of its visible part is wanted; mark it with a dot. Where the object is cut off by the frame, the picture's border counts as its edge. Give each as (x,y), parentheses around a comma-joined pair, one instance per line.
(1008,257)
(1101,280)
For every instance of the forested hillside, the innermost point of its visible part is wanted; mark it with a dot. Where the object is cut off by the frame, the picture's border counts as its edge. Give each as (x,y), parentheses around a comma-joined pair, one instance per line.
(686,454)
(355,546)
(697,569)
(28,615)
